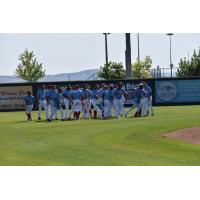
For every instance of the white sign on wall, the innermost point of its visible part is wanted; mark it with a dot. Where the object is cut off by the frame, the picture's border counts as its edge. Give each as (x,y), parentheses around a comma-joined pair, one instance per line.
(11,97)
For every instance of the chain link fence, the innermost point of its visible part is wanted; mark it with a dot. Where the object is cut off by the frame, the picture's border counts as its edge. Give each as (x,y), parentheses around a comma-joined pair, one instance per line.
(155,73)
(164,72)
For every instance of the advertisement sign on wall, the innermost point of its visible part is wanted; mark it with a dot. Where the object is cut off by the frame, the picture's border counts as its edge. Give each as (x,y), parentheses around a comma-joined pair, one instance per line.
(11,97)
(177,91)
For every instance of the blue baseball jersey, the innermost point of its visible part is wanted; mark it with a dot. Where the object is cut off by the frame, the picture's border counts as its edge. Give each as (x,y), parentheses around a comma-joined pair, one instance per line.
(148,91)
(86,93)
(47,94)
(52,94)
(58,100)
(94,94)
(139,94)
(143,93)
(41,95)
(67,93)
(77,94)
(108,94)
(101,91)
(29,100)
(132,93)
(118,93)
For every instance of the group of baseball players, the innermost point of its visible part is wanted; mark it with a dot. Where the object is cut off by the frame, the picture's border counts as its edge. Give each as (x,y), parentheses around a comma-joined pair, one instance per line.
(102,102)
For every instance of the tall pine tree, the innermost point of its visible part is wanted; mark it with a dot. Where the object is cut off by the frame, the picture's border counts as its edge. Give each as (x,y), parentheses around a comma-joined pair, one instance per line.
(189,67)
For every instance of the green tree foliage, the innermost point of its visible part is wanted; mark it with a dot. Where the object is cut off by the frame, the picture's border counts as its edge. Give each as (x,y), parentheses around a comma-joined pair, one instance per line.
(142,69)
(29,69)
(188,68)
(112,70)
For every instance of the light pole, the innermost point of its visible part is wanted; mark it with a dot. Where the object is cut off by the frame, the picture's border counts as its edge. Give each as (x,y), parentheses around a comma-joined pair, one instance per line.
(106,47)
(138,43)
(170,51)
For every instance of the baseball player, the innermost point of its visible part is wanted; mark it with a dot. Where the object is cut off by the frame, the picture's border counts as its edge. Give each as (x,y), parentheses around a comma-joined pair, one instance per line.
(108,97)
(67,100)
(111,86)
(148,99)
(71,104)
(95,97)
(59,103)
(119,96)
(100,101)
(48,102)
(139,92)
(42,102)
(86,102)
(28,103)
(77,97)
(52,97)
(134,104)
(144,102)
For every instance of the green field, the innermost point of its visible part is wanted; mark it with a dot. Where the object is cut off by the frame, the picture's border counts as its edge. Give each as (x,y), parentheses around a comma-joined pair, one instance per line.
(99,142)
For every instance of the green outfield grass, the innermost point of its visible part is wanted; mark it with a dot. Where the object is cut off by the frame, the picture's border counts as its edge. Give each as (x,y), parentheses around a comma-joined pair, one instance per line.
(99,142)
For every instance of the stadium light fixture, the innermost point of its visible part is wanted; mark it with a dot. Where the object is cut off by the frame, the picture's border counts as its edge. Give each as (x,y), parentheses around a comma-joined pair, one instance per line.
(170,50)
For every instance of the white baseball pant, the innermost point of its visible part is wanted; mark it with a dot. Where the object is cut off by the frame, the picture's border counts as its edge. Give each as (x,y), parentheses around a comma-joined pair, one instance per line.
(77,105)
(144,106)
(53,111)
(28,109)
(131,108)
(119,107)
(62,113)
(94,104)
(72,109)
(107,108)
(67,111)
(86,108)
(43,104)
(150,106)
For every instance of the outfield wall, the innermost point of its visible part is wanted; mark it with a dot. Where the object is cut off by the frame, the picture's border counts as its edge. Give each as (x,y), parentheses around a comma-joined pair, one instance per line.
(175,91)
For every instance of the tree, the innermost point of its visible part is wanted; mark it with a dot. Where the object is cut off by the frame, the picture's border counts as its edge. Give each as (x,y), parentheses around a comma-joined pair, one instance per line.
(112,70)
(142,69)
(189,67)
(29,69)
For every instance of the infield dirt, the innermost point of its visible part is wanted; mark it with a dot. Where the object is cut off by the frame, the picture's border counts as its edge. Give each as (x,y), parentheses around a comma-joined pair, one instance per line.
(190,135)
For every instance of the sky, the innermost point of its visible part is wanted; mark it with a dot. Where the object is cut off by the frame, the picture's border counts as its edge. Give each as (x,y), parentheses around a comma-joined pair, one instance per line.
(72,52)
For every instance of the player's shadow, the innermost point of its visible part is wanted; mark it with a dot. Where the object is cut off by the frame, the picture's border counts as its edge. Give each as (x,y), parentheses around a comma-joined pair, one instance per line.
(20,122)
(44,121)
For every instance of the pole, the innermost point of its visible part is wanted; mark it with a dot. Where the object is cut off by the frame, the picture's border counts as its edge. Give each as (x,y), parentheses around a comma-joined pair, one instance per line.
(128,56)
(170,51)
(138,41)
(106,47)
(171,54)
